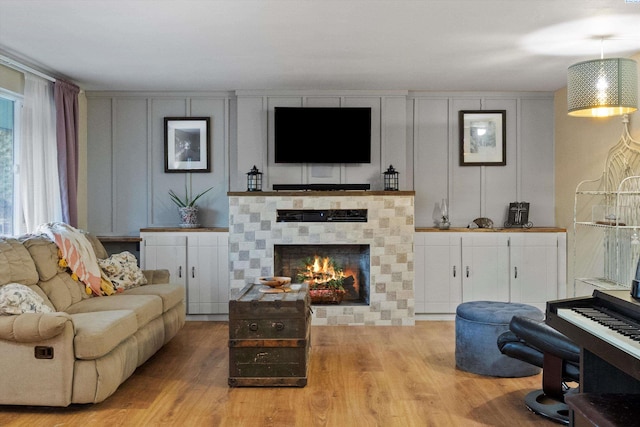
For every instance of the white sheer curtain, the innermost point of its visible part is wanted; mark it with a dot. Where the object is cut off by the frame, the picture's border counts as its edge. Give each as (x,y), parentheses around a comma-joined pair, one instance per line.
(38,167)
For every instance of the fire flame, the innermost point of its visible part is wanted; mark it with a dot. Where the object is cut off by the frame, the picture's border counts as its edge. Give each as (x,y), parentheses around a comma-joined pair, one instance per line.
(322,271)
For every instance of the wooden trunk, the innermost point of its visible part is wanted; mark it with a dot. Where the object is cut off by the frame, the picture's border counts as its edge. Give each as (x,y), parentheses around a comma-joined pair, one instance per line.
(269,338)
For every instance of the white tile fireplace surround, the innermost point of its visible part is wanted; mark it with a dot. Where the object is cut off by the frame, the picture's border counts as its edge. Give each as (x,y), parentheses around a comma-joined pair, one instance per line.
(389,230)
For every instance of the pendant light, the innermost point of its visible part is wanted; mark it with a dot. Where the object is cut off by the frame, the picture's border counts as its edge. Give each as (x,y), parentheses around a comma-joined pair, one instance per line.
(602,87)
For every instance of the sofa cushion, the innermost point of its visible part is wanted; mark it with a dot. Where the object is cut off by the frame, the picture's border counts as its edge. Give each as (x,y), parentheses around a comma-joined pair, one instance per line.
(16,264)
(146,307)
(100,332)
(123,271)
(63,291)
(44,253)
(18,299)
(171,294)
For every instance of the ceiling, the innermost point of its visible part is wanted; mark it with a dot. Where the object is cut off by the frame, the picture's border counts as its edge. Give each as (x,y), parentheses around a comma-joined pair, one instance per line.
(210,45)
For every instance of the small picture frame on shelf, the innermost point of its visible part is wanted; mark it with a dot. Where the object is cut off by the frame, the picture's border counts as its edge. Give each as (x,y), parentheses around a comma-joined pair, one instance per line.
(483,138)
(187,144)
(518,215)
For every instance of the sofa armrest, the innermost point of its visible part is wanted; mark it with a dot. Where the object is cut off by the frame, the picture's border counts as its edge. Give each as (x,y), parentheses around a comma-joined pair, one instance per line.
(155,277)
(32,327)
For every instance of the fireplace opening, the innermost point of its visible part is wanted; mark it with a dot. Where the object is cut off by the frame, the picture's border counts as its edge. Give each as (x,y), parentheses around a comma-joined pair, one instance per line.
(352,260)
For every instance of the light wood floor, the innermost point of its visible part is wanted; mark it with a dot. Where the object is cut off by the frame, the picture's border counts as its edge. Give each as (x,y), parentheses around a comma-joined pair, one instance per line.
(365,376)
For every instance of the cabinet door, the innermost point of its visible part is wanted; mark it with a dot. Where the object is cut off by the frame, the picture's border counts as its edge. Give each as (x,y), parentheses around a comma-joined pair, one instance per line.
(534,268)
(438,277)
(163,251)
(208,273)
(485,266)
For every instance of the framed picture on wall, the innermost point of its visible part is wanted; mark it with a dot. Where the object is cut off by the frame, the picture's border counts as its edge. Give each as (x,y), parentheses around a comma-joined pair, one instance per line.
(187,144)
(483,139)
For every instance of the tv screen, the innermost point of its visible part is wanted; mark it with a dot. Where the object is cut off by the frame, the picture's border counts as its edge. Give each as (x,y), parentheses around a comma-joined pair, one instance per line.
(322,135)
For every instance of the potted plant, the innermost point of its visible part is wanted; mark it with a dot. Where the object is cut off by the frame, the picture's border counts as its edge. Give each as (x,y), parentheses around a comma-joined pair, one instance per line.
(187,207)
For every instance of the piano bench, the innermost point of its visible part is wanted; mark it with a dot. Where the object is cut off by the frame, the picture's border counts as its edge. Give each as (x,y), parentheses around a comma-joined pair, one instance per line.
(604,410)
(478,325)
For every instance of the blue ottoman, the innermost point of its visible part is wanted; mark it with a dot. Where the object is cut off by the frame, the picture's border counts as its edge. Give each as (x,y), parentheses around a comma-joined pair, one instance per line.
(478,325)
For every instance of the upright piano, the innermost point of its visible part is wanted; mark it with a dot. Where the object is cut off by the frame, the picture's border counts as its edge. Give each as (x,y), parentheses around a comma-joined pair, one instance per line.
(606,326)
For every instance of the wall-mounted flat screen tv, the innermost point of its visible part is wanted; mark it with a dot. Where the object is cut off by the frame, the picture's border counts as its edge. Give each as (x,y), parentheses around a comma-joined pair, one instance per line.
(322,135)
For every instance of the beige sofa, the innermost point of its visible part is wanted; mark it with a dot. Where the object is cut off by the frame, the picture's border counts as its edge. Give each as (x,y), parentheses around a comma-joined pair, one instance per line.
(83,350)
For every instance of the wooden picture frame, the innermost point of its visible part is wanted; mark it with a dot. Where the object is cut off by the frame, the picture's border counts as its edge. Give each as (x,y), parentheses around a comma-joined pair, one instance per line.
(187,144)
(483,139)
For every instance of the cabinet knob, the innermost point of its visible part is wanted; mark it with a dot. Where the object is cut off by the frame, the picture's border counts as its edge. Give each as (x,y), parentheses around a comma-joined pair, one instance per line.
(193,272)
(180,271)
(253,326)
(279,326)
(467,272)
(515,272)
(454,271)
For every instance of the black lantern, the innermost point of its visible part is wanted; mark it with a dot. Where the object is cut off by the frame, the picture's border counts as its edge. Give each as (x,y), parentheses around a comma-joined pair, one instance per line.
(391,179)
(254,179)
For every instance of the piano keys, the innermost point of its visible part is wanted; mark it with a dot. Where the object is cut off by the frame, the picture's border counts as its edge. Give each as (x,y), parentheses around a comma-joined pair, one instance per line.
(616,330)
(607,328)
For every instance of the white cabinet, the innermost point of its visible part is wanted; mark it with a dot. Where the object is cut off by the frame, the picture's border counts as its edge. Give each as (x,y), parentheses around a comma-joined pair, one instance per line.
(438,272)
(196,259)
(208,273)
(537,267)
(485,263)
(454,267)
(167,251)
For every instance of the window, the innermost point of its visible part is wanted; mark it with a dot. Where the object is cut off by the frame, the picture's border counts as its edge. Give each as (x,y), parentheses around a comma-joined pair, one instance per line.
(9,201)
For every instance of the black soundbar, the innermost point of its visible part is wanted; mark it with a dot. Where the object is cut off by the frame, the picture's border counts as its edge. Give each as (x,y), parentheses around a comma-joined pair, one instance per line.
(320,187)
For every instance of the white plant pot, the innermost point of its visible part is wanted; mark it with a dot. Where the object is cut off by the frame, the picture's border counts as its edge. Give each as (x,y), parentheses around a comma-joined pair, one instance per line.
(189,217)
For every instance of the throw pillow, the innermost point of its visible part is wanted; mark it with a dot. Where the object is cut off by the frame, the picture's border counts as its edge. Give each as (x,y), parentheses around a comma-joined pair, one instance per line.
(17,299)
(123,271)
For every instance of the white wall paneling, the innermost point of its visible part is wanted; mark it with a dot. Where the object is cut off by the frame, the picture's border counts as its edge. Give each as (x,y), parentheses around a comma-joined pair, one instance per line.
(162,210)
(500,183)
(431,156)
(537,153)
(465,188)
(100,171)
(417,132)
(278,173)
(250,147)
(483,191)
(127,185)
(394,147)
(388,139)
